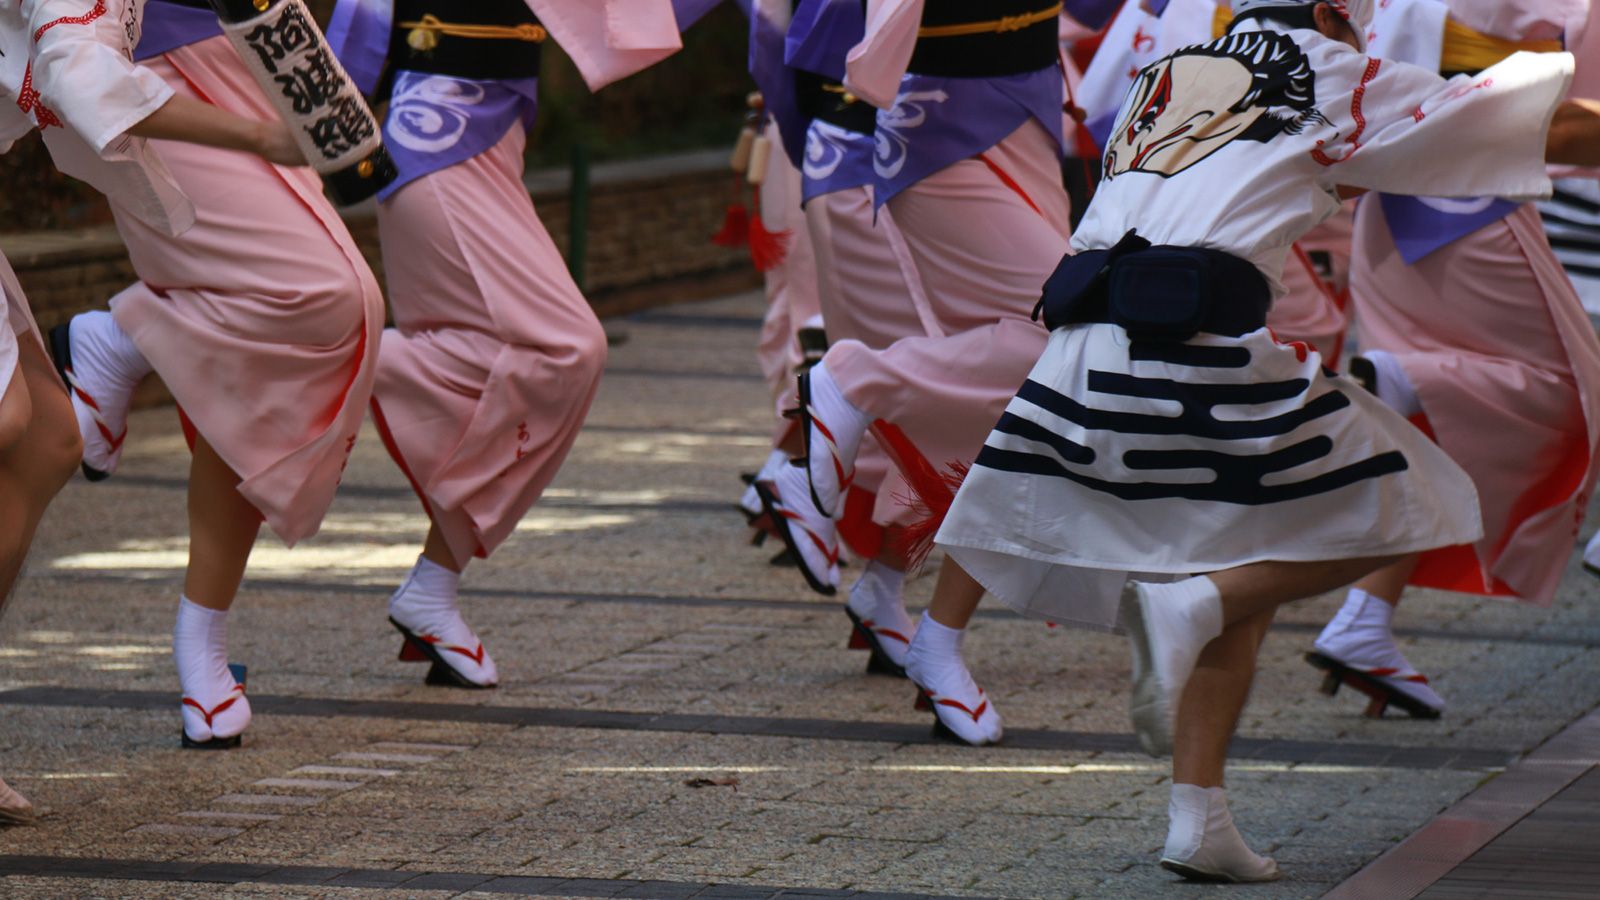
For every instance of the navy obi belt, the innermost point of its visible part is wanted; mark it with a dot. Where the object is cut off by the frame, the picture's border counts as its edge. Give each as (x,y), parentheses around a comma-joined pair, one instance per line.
(1157,292)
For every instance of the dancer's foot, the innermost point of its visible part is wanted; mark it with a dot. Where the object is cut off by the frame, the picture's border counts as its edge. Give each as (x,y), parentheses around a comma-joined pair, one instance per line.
(101,367)
(215,709)
(1168,625)
(961,708)
(425,612)
(810,536)
(14,808)
(833,429)
(1204,845)
(877,610)
(1591,556)
(755,513)
(1358,648)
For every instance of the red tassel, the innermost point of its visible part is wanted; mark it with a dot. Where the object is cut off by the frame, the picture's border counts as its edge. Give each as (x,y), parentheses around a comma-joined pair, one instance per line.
(767,248)
(735,230)
(933,491)
(864,537)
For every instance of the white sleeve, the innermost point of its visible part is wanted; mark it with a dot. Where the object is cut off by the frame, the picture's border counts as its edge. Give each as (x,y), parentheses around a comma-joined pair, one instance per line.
(83,69)
(1402,129)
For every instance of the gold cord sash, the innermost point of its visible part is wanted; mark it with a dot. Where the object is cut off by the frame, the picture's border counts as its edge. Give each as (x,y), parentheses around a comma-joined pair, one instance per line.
(424,34)
(992,26)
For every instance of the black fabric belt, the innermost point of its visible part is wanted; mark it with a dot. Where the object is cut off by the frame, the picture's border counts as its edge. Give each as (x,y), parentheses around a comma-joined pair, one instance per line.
(192,4)
(1162,293)
(483,59)
(990,54)
(826,101)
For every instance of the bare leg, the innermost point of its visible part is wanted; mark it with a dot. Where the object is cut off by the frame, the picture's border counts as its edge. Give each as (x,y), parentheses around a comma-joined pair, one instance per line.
(1262,587)
(1212,701)
(222,530)
(955,596)
(437,551)
(1389,582)
(39,460)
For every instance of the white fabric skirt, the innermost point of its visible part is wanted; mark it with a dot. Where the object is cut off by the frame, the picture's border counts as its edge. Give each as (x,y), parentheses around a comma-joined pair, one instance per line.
(1122,459)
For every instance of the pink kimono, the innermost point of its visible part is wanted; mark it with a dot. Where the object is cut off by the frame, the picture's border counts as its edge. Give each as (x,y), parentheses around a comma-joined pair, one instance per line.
(791,286)
(1317,276)
(981,236)
(495,357)
(1505,364)
(263,318)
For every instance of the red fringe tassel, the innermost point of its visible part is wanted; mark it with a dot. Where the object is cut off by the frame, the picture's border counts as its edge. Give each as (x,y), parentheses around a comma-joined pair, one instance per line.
(767,248)
(933,491)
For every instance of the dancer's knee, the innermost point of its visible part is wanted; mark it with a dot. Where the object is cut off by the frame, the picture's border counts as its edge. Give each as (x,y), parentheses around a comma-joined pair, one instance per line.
(16,409)
(589,350)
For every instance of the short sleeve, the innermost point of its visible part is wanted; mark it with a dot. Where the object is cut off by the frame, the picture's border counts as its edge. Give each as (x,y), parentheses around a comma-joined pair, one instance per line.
(1397,128)
(83,71)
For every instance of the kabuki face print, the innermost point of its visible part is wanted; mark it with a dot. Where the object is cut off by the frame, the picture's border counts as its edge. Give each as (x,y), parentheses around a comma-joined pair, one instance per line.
(1251,86)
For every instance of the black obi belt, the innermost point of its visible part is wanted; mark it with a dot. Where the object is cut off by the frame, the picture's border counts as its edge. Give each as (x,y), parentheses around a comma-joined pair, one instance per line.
(962,39)
(485,40)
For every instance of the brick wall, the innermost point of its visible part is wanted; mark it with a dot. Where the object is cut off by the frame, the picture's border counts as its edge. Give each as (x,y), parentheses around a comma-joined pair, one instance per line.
(649,227)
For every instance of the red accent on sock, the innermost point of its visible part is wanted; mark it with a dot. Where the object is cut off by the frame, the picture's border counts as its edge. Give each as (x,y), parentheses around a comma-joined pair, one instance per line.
(238,691)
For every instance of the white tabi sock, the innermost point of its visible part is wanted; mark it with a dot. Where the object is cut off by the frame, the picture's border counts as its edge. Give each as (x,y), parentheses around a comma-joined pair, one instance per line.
(200,649)
(750,502)
(107,366)
(1361,612)
(1168,626)
(1187,612)
(1591,553)
(1394,386)
(425,604)
(935,664)
(846,425)
(1361,636)
(878,598)
(1202,839)
(813,322)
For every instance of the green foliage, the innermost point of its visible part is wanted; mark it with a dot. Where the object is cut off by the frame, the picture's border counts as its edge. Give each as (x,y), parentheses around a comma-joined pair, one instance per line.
(691,100)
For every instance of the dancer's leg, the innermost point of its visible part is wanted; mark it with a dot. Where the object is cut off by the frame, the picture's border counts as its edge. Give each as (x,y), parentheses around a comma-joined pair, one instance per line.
(1358,647)
(1170,625)
(1212,701)
(955,596)
(935,664)
(436,549)
(36,459)
(1262,587)
(222,530)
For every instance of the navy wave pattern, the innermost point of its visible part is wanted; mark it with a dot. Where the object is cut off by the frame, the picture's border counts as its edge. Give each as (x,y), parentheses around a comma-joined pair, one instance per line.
(1238,475)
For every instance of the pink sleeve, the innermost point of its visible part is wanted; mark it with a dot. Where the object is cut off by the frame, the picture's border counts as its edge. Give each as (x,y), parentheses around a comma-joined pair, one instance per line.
(611,39)
(876,65)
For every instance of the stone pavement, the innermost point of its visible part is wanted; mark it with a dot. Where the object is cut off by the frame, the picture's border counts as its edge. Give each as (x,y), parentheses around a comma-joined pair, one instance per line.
(676,714)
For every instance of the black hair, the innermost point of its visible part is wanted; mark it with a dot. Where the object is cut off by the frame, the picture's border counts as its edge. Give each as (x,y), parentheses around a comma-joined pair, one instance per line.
(1282,81)
(1303,16)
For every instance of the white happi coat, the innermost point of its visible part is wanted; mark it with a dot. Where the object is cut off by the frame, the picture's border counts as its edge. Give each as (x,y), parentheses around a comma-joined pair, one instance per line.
(1164,459)
(66,67)
(68,70)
